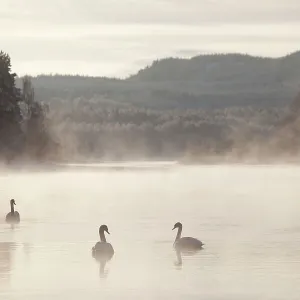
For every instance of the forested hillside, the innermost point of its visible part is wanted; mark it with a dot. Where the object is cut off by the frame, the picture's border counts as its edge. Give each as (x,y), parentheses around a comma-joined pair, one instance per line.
(222,106)
(202,82)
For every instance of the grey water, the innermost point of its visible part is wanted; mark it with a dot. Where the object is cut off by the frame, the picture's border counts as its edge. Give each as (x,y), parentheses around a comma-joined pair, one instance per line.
(247,216)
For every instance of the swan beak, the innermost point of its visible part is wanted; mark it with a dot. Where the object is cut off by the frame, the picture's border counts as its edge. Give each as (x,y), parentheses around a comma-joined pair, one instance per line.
(173,228)
(107,232)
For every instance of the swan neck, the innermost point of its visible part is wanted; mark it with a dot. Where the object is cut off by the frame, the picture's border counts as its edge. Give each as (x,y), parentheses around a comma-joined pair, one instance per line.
(178,236)
(12,209)
(102,236)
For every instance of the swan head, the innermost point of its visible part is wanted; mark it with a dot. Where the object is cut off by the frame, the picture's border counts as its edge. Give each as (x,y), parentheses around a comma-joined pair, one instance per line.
(177,225)
(103,228)
(12,202)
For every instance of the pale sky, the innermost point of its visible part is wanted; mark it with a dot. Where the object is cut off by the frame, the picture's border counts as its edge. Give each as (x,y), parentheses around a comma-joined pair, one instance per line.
(118,37)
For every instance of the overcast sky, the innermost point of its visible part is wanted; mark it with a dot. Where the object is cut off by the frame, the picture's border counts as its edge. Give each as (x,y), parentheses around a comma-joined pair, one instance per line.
(118,37)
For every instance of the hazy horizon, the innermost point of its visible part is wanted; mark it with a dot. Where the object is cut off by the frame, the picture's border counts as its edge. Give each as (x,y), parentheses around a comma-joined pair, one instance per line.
(118,38)
(125,76)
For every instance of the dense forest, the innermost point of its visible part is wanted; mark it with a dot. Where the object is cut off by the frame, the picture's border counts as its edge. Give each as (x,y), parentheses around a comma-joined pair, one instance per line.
(24,132)
(202,82)
(232,107)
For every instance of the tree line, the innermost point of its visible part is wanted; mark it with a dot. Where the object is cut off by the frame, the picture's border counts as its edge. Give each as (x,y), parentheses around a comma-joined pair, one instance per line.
(98,128)
(86,125)
(24,131)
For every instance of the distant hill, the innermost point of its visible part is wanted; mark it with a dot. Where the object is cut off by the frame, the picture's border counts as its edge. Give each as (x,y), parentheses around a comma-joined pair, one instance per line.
(236,68)
(205,81)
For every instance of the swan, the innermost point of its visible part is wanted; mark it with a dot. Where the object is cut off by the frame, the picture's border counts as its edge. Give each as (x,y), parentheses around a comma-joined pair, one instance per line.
(13,217)
(185,243)
(102,250)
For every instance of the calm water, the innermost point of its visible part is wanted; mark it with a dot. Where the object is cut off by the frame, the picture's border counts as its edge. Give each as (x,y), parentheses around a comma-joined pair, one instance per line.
(248,217)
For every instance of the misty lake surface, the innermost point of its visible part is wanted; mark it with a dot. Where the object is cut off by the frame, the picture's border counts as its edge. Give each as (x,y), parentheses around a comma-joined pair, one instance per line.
(247,216)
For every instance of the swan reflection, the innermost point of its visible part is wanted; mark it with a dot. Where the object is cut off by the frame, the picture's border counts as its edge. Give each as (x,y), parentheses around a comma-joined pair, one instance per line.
(184,253)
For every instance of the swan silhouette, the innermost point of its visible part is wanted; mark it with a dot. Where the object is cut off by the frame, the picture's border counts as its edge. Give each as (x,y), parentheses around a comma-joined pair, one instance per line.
(185,243)
(13,217)
(103,251)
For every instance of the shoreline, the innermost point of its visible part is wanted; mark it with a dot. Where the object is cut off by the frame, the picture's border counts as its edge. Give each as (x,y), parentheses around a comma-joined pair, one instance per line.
(139,165)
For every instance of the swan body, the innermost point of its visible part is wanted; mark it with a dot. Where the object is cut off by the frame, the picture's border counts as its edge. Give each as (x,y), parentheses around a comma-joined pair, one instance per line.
(186,243)
(102,250)
(13,217)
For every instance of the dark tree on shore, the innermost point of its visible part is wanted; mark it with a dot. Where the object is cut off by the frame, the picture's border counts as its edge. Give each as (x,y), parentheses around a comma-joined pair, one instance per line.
(10,114)
(39,142)
(24,128)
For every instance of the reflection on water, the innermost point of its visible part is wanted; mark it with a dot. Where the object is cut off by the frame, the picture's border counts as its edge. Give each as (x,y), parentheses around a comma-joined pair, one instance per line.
(14,226)
(102,272)
(102,260)
(185,253)
(178,263)
(6,260)
(249,218)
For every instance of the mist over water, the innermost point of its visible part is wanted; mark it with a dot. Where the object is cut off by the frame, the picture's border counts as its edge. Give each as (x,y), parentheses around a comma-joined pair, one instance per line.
(247,216)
